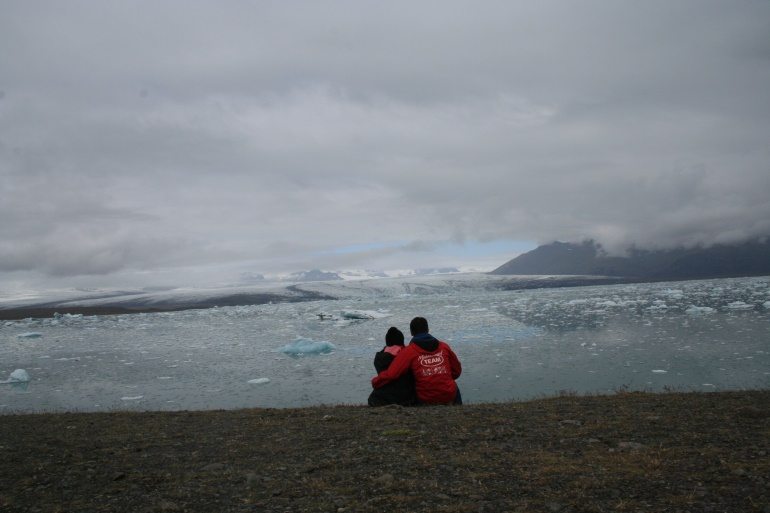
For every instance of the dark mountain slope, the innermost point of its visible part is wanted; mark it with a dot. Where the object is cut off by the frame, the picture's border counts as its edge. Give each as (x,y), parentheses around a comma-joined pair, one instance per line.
(719,261)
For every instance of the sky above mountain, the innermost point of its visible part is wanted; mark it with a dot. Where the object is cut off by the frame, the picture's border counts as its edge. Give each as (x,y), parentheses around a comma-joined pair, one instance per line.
(145,142)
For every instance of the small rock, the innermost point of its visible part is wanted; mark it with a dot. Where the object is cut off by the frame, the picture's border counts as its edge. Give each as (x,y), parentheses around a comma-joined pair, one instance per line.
(739,472)
(167,506)
(119,476)
(384,480)
(576,423)
(630,446)
(213,467)
(443,496)
(555,507)
(593,441)
(327,417)
(252,480)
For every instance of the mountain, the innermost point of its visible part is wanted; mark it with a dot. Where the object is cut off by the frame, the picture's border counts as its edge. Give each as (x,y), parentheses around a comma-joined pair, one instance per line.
(588,258)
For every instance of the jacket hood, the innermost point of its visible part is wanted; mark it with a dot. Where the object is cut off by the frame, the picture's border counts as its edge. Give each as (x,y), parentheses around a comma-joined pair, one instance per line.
(425,341)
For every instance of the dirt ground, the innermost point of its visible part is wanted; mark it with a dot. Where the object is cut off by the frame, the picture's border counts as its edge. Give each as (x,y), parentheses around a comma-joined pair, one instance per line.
(635,452)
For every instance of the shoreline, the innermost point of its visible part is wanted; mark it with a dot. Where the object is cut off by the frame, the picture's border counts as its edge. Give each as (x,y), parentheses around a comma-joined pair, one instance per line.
(669,452)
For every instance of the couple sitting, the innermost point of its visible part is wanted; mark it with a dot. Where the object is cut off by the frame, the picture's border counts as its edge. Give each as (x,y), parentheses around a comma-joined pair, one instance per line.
(424,372)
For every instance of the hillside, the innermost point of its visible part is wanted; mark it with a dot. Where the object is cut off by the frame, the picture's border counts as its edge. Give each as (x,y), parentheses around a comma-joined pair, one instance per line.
(588,258)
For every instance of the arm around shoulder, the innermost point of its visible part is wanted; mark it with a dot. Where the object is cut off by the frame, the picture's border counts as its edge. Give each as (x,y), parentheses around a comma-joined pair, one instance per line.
(399,366)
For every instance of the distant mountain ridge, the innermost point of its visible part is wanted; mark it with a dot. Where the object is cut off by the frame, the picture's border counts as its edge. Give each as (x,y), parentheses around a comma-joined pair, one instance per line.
(588,258)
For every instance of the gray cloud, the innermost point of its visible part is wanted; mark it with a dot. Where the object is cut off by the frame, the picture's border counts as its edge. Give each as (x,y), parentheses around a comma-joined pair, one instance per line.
(147,137)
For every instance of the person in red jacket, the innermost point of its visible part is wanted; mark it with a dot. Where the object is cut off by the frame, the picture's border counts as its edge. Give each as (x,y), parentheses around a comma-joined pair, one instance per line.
(432,362)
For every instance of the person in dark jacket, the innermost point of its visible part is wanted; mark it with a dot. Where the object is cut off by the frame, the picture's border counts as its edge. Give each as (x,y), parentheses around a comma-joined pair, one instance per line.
(433,364)
(400,391)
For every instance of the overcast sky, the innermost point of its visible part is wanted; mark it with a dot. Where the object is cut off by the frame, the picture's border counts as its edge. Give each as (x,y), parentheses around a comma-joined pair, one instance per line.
(150,141)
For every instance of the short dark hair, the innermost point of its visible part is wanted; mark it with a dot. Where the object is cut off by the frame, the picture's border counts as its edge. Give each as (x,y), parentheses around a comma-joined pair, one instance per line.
(418,326)
(394,337)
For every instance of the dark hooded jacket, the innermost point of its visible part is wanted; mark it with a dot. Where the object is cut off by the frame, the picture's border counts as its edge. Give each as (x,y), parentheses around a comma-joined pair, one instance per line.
(400,391)
(434,365)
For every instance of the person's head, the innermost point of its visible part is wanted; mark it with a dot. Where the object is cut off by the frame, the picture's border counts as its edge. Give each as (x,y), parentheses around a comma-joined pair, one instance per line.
(394,337)
(418,326)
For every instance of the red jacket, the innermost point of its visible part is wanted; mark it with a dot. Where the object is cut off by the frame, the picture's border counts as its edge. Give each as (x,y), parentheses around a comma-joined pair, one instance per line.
(434,366)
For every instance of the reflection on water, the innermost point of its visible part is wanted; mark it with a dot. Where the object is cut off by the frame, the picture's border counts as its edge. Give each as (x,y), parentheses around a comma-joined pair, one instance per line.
(700,335)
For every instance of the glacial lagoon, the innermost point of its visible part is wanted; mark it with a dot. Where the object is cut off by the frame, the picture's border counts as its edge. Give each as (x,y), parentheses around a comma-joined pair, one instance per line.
(514,344)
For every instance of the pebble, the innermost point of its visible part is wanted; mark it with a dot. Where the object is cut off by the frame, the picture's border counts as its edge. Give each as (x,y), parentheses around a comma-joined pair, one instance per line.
(384,479)
(165,505)
(631,446)
(252,480)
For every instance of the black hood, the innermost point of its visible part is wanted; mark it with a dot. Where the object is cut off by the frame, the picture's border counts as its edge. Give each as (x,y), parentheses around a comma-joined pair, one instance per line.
(425,341)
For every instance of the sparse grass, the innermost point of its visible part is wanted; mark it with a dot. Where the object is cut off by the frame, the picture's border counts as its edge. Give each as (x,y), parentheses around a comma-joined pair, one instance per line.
(695,452)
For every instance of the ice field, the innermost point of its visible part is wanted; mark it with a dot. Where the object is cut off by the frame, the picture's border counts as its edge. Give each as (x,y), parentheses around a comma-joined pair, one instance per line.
(695,335)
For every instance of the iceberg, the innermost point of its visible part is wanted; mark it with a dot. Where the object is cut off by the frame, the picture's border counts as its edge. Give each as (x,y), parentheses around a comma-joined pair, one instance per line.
(362,314)
(699,310)
(307,346)
(30,334)
(17,376)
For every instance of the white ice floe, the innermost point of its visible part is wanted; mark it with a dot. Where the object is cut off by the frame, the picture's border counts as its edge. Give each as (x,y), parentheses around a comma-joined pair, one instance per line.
(307,346)
(259,381)
(17,376)
(740,305)
(362,314)
(132,398)
(766,305)
(699,310)
(659,371)
(30,334)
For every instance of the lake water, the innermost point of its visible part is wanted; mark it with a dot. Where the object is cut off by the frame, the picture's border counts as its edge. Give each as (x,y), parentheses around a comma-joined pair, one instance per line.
(696,335)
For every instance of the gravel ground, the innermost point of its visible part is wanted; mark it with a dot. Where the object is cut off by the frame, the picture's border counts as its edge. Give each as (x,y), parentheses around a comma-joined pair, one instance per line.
(632,452)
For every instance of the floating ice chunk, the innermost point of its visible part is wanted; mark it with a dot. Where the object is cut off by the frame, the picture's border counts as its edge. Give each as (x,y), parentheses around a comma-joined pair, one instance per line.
(29,334)
(659,371)
(607,303)
(17,376)
(577,302)
(740,305)
(259,381)
(766,305)
(699,310)
(132,398)
(307,346)
(363,314)
(674,293)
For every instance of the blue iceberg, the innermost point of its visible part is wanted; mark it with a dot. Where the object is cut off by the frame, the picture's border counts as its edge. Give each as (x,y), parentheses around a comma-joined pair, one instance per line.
(306,346)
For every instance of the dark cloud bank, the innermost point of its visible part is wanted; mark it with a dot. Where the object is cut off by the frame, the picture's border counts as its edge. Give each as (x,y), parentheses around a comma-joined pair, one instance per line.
(142,136)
